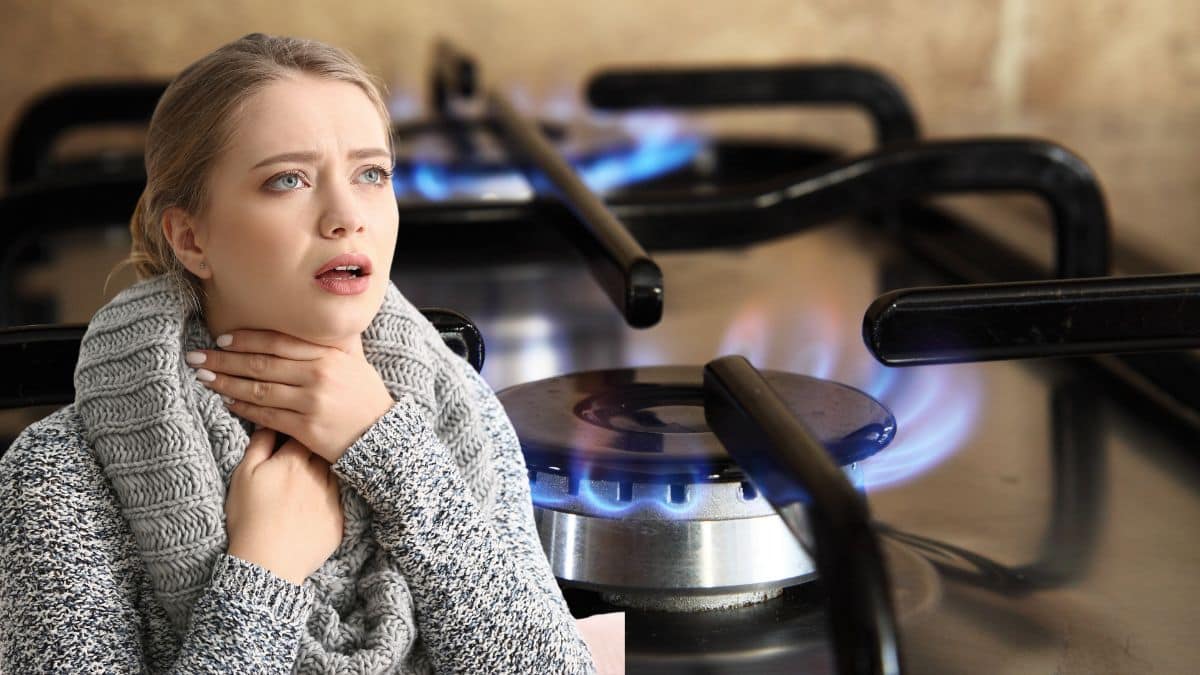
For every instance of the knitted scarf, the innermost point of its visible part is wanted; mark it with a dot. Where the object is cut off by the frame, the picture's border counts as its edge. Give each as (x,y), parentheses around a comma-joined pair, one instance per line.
(169,446)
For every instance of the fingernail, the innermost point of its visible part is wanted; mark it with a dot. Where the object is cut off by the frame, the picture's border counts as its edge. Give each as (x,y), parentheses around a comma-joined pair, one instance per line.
(224,340)
(195,358)
(228,401)
(205,375)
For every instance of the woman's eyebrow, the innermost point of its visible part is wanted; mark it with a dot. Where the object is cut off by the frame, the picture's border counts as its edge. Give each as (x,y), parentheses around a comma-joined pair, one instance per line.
(364,153)
(312,157)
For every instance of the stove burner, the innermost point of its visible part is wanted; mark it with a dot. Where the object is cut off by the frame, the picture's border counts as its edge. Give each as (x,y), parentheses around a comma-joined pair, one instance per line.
(636,498)
(647,410)
(647,424)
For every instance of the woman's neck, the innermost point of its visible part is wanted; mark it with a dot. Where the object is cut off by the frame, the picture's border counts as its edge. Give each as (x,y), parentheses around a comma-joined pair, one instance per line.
(218,324)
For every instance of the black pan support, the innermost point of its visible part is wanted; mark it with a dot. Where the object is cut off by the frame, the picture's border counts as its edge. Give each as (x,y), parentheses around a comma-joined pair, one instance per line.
(906,171)
(459,333)
(454,76)
(1079,488)
(34,211)
(794,471)
(78,105)
(632,280)
(833,84)
(39,365)
(1075,317)
(966,254)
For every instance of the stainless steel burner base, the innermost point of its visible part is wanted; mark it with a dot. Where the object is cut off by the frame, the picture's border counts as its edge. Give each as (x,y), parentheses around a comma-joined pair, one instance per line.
(684,563)
(690,603)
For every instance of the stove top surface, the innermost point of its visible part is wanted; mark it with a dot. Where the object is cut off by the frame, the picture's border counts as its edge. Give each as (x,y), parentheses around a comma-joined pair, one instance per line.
(1056,509)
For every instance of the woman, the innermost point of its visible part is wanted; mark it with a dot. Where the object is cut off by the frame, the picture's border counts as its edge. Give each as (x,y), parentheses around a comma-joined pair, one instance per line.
(379,521)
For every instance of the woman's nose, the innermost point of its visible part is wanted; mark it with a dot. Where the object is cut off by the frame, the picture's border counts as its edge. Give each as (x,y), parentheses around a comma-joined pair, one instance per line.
(341,217)
(340,224)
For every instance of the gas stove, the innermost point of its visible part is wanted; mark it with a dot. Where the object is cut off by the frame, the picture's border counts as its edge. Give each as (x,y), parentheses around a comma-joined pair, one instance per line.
(1001,549)
(1025,514)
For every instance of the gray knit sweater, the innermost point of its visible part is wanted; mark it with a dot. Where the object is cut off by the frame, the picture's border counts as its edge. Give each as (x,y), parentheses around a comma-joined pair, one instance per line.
(112,532)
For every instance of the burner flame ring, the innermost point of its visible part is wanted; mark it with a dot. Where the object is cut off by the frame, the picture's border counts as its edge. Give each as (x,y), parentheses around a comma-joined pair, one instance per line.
(635,497)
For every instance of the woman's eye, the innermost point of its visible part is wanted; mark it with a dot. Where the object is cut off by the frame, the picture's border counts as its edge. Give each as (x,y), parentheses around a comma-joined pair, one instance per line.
(374,175)
(286,181)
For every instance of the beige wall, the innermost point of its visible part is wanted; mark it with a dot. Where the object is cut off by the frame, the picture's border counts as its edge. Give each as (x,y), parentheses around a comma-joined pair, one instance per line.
(1115,81)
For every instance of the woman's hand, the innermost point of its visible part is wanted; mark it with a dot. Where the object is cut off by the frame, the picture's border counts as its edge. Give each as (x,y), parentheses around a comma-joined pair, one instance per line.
(283,511)
(322,396)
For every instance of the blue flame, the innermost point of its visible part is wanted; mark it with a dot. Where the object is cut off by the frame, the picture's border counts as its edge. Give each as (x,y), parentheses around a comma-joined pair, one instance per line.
(608,506)
(648,159)
(815,350)
(546,495)
(935,407)
(662,147)
(587,436)
(748,334)
(658,147)
(881,382)
(431,181)
(811,346)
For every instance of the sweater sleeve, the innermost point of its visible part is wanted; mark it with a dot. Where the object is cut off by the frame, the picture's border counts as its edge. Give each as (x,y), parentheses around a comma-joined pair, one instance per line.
(74,594)
(485,598)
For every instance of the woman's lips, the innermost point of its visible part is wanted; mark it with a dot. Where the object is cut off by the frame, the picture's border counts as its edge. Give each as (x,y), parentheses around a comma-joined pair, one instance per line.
(340,284)
(345,281)
(356,259)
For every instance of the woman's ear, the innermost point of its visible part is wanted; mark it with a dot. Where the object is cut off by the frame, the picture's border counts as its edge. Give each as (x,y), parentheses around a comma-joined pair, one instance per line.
(180,230)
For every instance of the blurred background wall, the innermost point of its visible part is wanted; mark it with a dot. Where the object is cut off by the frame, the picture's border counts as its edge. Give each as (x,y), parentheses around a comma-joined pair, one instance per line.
(1115,81)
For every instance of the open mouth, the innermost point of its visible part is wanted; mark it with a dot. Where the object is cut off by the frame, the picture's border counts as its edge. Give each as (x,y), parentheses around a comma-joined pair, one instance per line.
(345,266)
(344,272)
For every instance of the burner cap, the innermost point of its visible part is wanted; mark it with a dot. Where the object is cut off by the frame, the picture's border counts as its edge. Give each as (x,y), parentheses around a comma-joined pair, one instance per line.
(647,424)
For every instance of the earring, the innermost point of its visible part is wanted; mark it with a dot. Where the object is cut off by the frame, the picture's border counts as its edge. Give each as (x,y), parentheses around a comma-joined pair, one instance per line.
(203,265)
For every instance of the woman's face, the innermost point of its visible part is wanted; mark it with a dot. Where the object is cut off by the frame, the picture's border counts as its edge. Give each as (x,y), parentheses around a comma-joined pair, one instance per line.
(305,179)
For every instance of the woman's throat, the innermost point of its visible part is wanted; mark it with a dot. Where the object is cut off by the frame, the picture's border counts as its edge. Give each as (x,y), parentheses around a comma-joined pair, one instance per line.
(219,323)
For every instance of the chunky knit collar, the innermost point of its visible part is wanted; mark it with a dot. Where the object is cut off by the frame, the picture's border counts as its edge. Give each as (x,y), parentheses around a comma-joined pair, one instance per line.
(169,447)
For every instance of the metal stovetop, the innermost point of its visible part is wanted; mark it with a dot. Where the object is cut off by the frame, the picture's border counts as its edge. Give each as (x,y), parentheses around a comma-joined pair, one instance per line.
(1060,525)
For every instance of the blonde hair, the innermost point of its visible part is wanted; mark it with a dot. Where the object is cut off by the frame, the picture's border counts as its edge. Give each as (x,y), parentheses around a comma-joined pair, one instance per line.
(194,121)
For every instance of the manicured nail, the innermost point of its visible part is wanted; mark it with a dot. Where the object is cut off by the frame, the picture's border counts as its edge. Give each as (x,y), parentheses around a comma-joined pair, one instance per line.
(195,358)
(224,340)
(228,401)
(205,375)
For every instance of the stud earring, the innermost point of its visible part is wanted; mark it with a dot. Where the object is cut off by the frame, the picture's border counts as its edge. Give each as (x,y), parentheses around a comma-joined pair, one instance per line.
(203,265)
